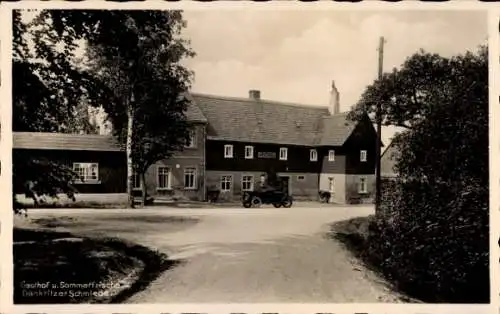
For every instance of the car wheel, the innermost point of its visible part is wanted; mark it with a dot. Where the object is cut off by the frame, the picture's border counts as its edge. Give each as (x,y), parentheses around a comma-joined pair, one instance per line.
(277,205)
(256,202)
(287,203)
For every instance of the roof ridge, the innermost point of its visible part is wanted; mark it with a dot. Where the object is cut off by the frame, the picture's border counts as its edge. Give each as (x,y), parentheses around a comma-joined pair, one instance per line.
(391,145)
(340,114)
(63,134)
(261,101)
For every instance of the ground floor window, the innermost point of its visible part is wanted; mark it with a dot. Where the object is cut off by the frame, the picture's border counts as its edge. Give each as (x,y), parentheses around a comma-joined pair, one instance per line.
(88,172)
(331,184)
(226,183)
(190,178)
(247,183)
(362,185)
(163,177)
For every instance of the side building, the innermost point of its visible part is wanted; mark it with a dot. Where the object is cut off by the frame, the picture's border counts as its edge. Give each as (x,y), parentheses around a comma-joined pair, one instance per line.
(388,162)
(101,162)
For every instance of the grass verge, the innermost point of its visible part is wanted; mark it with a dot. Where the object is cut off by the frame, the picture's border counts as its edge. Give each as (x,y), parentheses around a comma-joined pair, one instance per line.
(354,235)
(58,267)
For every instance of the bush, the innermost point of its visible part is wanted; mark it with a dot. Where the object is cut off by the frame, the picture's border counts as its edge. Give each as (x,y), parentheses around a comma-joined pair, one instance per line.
(324,196)
(433,240)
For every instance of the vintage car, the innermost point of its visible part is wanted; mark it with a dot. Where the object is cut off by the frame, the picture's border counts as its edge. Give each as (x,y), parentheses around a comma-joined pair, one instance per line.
(268,195)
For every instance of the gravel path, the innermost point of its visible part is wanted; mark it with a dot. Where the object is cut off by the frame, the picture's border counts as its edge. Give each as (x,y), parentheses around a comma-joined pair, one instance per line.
(236,255)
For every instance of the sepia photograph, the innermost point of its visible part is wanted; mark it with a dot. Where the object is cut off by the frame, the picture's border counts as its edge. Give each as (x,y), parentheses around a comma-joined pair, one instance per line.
(250,156)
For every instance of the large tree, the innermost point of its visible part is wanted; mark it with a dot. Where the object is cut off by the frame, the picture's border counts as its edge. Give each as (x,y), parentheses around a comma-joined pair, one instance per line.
(429,96)
(433,230)
(141,65)
(50,89)
(425,80)
(143,47)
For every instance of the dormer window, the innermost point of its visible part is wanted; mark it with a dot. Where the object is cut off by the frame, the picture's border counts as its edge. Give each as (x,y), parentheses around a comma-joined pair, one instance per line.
(331,155)
(228,151)
(313,155)
(362,155)
(248,152)
(283,153)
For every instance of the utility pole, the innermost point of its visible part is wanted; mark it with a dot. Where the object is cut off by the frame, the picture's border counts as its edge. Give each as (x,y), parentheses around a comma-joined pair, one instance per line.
(378,120)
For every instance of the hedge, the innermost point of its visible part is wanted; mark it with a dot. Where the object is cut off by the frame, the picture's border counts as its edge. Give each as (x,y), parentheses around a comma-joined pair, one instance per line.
(432,239)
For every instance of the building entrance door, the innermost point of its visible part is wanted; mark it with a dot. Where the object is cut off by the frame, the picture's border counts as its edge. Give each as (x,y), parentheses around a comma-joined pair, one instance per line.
(285,181)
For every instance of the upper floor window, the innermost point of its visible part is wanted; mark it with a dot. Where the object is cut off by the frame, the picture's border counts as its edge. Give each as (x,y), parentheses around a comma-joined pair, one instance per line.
(88,172)
(283,153)
(362,155)
(248,152)
(228,151)
(331,155)
(192,139)
(313,155)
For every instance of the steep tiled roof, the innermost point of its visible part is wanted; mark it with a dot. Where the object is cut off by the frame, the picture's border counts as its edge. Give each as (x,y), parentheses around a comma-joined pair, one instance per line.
(263,121)
(335,130)
(193,112)
(388,161)
(61,141)
(229,119)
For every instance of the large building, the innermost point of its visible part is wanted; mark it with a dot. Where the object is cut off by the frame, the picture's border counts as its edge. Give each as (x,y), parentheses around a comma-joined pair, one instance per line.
(235,141)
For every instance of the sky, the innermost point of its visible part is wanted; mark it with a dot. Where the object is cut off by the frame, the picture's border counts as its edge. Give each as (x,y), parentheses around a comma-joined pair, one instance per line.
(294,55)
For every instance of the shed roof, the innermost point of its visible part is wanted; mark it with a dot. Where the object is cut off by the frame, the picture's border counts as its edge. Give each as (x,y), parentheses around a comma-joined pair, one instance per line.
(63,141)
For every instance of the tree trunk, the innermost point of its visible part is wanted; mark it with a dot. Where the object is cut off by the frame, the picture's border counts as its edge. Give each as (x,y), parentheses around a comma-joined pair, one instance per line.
(144,189)
(130,170)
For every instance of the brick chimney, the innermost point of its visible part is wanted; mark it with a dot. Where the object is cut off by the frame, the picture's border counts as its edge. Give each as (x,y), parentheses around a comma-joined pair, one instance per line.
(334,106)
(254,94)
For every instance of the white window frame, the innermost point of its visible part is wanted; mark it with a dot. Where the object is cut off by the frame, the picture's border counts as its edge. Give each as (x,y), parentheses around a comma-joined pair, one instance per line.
(363,185)
(228,151)
(331,184)
(137,178)
(222,181)
(169,178)
(249,152)
(331,155)
(313,155)
(192,139)
(194,173)
(84,177)
(363,155)
(250,181)
(283,153)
